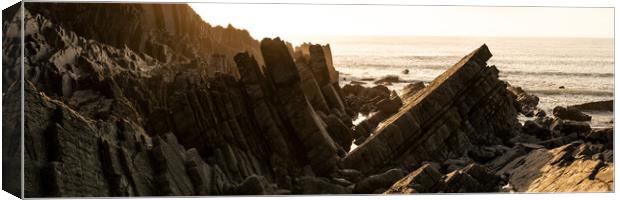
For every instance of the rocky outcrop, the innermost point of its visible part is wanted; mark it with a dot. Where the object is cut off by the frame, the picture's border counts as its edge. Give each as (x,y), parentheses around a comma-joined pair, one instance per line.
(461,111)
(378,183)
(525,103)
(362,99)
(385,108)
(427,179)
(570,114)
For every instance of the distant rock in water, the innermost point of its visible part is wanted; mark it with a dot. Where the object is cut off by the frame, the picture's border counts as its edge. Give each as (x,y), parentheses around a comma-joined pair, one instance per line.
(389,79)
(595,106)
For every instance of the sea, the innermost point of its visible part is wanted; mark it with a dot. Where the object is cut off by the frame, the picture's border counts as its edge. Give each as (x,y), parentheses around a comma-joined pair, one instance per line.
(584,67)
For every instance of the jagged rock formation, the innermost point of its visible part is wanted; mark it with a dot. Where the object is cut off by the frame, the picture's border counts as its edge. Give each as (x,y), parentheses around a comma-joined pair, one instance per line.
(377,103)
(181,108)
(525,103)
(169,127)
(461,111)
(427,179)
(165,32)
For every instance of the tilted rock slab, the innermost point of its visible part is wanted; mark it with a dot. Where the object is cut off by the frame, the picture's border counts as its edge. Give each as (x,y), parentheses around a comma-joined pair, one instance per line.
(281,69)
(463,109)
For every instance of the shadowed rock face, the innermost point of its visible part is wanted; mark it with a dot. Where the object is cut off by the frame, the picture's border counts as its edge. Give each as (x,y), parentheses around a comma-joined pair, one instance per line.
(462,110)
(134,125)
(320,148)
(163,31)
(11,100)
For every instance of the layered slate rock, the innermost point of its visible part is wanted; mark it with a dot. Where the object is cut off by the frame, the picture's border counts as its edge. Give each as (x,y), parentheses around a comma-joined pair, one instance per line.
(575,167)
(427,179)
(462,110)
(281,69)
(315,62)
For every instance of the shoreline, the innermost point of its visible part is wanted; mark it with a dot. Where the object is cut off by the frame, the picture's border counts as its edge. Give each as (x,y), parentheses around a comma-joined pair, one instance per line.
(600,119)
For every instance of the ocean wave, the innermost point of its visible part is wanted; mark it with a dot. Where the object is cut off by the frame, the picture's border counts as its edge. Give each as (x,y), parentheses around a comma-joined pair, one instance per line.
(571,74)
(447,57)
(571,92)
(394,66)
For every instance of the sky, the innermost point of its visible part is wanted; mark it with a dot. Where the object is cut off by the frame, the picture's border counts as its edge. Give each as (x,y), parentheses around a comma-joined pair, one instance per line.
(381,20)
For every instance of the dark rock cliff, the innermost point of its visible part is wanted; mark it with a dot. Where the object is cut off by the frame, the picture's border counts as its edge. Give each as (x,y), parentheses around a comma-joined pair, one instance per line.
(162,31)
(134,124)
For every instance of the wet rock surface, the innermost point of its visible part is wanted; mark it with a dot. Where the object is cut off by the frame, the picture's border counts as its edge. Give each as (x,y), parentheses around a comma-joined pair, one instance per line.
(142,115)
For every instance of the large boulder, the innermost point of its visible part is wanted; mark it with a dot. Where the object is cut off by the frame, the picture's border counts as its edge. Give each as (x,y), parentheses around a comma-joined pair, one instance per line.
(533,128)
(427,179)
(422,180)
(526,103)
(473,178)
(254,185)
(570,114)
(391,105)
(379,182)
(317,185)
(602,136)
(565,127)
